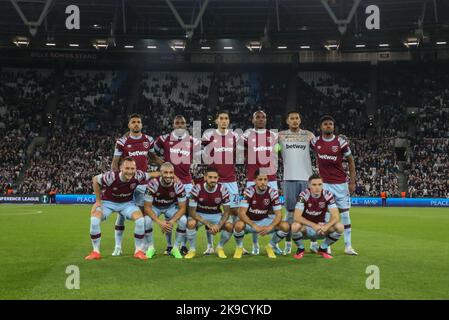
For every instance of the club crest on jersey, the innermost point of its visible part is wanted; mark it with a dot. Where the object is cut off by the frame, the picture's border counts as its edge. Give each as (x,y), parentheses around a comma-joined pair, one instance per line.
(310,204)
(217,200)
(319,147)
(334,148)
(172,194)
(129,146)
(115,188)
(322,205)
(266,202)
(132,185)
(146,144)
(201,199)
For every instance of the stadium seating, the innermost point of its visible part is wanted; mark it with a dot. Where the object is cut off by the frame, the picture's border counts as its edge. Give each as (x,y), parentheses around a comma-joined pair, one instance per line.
(166,94)
(428,168)
(23,95)
(80,142)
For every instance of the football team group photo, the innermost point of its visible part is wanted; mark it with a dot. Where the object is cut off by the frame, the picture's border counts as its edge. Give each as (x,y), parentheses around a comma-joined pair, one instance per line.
(224,157)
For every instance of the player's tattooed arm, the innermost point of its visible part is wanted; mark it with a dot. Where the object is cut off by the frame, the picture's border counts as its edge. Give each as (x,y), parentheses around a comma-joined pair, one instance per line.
(334,218)
(310,135)
(153,174)
(148,211)
(182,207)
(97,190)
(277,219)
(246,220)
(154,158)
(115,166)
(351,164)
(195,216)
(225,216)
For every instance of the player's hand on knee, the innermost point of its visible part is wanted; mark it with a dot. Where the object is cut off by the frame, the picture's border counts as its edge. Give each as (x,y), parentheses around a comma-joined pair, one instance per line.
(214,229)
(257,228)
(165,226)
(265,230)
(324,229)
(95,206)
(317,228)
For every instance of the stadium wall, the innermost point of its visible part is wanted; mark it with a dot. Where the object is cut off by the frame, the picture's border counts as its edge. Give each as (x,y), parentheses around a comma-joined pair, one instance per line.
(356,201)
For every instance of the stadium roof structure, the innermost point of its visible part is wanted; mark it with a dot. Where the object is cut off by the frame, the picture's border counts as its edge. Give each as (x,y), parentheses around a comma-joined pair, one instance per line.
(195,25)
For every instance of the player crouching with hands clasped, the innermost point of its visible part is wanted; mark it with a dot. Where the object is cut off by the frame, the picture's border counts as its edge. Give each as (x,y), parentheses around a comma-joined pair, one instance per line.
(254,214)
(312,220)
(204,208)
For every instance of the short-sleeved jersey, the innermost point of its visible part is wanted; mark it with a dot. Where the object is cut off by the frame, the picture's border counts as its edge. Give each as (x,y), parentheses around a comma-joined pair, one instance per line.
(164,196)
(219,152)
(179,151)
(117,190)
(295,150)
(260,152)
(329,154)
(259,204)
(209,202)
(137,148)
(314,208)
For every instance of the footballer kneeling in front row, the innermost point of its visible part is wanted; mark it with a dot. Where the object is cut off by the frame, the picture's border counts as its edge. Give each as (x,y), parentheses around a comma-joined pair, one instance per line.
(255,218)
(316,217)
(204,209)
(117,196)
(168,197)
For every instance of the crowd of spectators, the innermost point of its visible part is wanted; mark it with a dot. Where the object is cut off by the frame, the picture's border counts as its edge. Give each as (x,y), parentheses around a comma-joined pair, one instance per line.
(23,98)
(428,168)
(81,139)
(167,94)
(376,167)
(321,93)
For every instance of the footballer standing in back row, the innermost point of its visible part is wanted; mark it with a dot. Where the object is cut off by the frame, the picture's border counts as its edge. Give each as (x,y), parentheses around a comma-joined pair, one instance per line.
(219,152)
(294,145)
(259,146)
(138,146)
(330,149)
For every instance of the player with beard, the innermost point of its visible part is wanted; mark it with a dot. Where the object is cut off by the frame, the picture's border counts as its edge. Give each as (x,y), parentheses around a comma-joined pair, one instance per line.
(260,154)
(330,150)
(138,146)
(220,153)
(254,213)
(205,209)
(294,145)
(179,148)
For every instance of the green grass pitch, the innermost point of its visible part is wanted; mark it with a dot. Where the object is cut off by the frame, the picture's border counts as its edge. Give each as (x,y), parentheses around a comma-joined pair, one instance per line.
(37,243)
